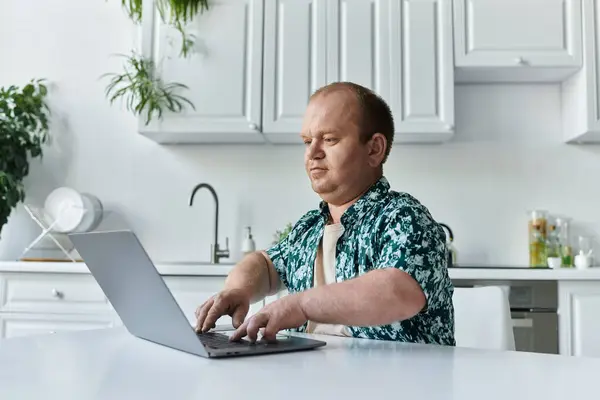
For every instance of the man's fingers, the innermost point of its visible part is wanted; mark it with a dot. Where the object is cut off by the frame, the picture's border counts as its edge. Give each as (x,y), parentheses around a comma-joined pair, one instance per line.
(240,332)
(216,311)
(254,324)
(250,327)
(239,314)
(201,313)
(271,330)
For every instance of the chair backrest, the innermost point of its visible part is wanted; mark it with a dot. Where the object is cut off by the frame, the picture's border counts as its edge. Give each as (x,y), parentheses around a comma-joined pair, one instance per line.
(483,318)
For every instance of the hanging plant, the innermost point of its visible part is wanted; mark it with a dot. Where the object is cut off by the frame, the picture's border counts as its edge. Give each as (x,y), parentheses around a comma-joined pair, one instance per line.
(143,91)
(176,13)
(140,85)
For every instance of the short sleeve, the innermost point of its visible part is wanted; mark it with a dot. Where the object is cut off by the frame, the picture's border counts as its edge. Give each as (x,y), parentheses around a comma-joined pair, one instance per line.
(414,243)
(279,254)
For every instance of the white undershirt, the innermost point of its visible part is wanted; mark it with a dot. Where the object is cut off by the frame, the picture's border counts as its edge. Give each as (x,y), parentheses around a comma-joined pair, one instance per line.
(324,273)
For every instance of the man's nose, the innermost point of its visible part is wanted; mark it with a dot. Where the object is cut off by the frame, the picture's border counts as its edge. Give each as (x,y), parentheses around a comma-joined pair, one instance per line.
(315,151)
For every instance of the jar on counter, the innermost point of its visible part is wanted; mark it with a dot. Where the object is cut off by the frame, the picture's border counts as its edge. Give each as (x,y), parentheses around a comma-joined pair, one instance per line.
(538,232)
(564,238)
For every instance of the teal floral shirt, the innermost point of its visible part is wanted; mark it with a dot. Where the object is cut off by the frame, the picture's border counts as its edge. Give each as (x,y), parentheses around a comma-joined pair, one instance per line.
(383,229)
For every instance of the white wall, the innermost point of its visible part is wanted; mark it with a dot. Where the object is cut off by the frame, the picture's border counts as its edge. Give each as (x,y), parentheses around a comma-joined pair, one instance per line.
(507,156)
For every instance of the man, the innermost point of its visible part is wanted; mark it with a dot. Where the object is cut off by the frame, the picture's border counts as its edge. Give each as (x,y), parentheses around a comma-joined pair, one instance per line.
(369,262)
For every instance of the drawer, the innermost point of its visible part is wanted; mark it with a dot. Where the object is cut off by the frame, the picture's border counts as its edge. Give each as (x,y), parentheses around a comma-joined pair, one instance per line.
(18,325)
(52,293)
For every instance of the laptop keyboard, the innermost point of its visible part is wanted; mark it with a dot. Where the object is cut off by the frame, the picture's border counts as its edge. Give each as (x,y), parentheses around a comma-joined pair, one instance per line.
(220,341)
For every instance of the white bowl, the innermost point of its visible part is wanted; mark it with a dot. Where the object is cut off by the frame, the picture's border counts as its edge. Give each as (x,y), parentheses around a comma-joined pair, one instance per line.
(554,262)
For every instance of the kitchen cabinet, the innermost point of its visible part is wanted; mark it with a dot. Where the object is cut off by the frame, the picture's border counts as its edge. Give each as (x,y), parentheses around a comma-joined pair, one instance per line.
(517,40)
(421,70)
(579,325)
(34,303)
(224,74)
(295,64)
(400,49)
(581,92)
(257,62)
(23,324)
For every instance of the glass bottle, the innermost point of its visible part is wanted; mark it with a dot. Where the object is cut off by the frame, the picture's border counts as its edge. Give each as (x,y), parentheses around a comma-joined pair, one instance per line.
(552,242)
(564,238)
(538,222)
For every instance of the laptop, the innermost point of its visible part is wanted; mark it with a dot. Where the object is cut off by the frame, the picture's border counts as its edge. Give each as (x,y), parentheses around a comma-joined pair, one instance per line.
(147,307)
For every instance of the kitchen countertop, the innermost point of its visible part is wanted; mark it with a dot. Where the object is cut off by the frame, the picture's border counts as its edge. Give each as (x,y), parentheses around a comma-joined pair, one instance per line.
(514,273)
(207,269)
(164,268)
(112,364)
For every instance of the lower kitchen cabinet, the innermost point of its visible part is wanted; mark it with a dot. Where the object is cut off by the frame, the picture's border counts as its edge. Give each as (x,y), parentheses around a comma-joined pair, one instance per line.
(33,303)
(579,325)
(23,324)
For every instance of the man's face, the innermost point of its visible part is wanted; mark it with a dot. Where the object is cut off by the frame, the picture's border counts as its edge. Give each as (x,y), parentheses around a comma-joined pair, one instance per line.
(336,161)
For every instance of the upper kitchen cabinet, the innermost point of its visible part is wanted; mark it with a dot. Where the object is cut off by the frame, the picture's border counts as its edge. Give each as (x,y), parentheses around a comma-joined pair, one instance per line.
(295,64)
(581,92)
(400,49)
(517,40)
(421,70)
(224,74)
(358,43)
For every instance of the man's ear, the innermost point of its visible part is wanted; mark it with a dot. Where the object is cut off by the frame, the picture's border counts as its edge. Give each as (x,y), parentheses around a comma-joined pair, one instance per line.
(377,148)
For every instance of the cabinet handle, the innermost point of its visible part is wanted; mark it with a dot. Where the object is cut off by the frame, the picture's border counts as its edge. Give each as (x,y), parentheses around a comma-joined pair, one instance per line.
(51,332)
(253,126)
(449,127)
(56,293)
(520,61)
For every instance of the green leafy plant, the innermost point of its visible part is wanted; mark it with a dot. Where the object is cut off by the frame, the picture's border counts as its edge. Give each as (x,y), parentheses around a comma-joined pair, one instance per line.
(143,90)
(281,234)
(24,116)
(140,85)
(176,13)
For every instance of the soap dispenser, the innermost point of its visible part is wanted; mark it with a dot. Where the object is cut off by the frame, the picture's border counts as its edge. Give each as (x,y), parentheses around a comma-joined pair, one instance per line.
(248,245)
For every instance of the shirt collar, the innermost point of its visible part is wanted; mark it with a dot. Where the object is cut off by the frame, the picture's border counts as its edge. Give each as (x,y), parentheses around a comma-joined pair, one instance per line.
(360,208)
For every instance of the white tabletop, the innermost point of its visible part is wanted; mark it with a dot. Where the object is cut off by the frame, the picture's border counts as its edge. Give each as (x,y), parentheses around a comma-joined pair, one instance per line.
(112,364)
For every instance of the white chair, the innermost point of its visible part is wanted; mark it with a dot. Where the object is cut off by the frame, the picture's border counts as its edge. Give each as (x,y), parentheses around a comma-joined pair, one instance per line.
(482,318)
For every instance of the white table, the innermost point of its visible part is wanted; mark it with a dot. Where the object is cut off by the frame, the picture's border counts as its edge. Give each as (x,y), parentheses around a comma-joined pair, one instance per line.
(112,364)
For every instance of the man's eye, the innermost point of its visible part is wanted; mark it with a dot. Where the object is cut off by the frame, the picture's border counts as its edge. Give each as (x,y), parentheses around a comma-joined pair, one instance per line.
(330,140)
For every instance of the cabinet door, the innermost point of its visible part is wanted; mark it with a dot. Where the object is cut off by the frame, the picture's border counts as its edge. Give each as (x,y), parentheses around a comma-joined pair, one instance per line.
(224,74)
(422,70)
(518,33)
(403,51)
(578,318)
(358,44)
(581,93)
(17,325)
(295,64)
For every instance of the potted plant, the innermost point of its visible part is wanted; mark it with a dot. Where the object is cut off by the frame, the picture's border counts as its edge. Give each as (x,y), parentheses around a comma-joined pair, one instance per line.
(140,85)
(281,234)
(24,118)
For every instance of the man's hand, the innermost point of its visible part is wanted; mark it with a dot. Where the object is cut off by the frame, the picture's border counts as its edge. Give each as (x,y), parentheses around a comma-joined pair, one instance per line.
(285,313)
(232,302)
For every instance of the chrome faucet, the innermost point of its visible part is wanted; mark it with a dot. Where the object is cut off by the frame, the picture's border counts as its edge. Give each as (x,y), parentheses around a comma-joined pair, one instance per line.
(215,252)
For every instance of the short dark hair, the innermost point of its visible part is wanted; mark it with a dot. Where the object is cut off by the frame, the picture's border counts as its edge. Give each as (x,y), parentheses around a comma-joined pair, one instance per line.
(376,116)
